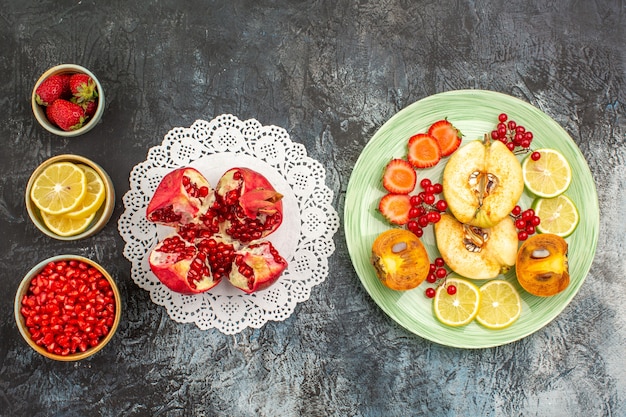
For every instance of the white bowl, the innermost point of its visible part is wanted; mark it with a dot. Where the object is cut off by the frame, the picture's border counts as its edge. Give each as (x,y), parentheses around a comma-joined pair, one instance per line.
(40,112)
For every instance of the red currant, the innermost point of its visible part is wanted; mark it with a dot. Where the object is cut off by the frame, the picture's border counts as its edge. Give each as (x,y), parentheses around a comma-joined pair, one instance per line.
(503,117)
(441,205)
(516,211)
(439,262)
(441,273)
(535,156)
(425,183)
(451,289)
(431,278)
(430,292)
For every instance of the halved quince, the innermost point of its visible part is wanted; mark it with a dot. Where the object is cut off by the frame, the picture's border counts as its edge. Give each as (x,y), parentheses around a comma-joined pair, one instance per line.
(542,267)
(400,259)
(482,182)
(474,252)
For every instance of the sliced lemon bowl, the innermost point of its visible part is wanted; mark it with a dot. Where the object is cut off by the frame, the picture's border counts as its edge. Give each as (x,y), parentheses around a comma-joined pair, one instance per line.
(69,197)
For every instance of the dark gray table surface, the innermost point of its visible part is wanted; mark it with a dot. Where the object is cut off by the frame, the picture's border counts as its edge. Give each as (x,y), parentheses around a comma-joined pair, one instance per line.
(330,73)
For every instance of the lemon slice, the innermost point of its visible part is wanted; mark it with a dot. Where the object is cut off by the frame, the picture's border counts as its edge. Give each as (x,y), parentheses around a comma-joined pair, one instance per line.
(558,215)
(460,308)
(94,197)
(500,304)
(63,225)
(59,188)
(549,176)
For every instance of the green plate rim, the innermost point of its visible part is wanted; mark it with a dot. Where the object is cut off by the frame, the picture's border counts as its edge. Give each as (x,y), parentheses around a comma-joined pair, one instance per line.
(474,112)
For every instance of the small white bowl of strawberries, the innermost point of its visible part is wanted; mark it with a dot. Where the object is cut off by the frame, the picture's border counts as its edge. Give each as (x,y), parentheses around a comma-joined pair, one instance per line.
(68,100)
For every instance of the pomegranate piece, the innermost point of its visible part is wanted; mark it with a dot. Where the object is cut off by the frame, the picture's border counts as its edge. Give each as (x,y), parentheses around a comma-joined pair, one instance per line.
(182,195)
(192,262)
(247,205)
(256,266)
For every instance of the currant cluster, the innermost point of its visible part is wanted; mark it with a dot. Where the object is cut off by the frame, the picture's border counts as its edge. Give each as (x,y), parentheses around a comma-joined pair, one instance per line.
(438,272)
(526,222)
(512,134)
(426,208)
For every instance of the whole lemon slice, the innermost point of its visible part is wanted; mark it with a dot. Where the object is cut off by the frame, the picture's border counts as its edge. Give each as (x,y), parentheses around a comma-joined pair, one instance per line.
(59,188)
(548,176)
(500,304)
(63,225)
(456,309)
(93,198)
(558,215)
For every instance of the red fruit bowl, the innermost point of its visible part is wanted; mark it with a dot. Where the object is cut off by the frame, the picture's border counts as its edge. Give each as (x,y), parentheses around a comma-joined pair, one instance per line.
(67,308)
(40,110)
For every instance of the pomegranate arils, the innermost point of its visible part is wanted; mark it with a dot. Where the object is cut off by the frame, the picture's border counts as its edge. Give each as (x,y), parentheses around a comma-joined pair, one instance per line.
(59,305)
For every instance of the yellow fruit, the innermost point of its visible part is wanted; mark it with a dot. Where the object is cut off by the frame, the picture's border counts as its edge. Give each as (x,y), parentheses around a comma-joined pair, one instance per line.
(63,225)
(482,182)
(460,308)
(94,197)
(558,215)
(59,188)
(549,176)
(500,305)
(474,252)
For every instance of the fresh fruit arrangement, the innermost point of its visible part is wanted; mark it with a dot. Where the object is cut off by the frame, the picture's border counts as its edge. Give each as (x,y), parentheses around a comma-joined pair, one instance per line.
(69,99)
(219,233)
(69,307)
(478,222)
(68,196)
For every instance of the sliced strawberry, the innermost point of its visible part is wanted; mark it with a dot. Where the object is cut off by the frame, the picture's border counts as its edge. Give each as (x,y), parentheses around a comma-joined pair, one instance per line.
(399,177)
(448,136)
(395,208)
(424,151)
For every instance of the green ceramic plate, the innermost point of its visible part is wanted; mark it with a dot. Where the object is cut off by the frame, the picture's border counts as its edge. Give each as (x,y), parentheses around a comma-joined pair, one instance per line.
(474,112)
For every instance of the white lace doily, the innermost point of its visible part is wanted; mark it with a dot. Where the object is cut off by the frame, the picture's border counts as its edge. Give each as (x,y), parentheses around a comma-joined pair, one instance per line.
(304,239)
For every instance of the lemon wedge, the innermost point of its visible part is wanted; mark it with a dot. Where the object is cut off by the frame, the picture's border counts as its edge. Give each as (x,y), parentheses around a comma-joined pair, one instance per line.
(63,225)
(59,188)
(500,305)
(93,198)
(459,308)
(548,176)
(558,215)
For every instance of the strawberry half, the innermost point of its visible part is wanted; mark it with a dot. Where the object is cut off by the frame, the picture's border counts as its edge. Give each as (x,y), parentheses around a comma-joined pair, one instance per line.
(399,177)
(395,208)
(424,151)
(448,136)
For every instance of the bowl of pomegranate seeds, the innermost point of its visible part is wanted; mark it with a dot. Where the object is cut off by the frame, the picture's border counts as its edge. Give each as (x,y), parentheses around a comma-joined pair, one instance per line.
(68,100)
(69,197)
(67,307)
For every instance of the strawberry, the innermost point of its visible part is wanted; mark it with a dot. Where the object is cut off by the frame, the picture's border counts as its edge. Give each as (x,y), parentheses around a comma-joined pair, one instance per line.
(395,208)
(90,108)
(424,151)
(448,136)
(65,114)
(83,87)
(52,88)
(399,177)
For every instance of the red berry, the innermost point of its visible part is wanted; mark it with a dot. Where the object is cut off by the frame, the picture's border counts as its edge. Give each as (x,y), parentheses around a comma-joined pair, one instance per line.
(441,205)
(429,198)
(439,262)
(535,156)
(503,117)
(441,273)
(430,292)
(520,224)
(451,289)
(523,235)
(438,188)
(516,211)
(431,278)
(425,183)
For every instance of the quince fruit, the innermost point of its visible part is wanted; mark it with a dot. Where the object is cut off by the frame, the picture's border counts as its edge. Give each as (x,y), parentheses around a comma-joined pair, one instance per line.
(482,182)
(474,252)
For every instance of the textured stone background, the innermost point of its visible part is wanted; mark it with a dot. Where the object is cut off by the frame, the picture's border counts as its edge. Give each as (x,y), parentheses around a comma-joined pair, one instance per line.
(331,73)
